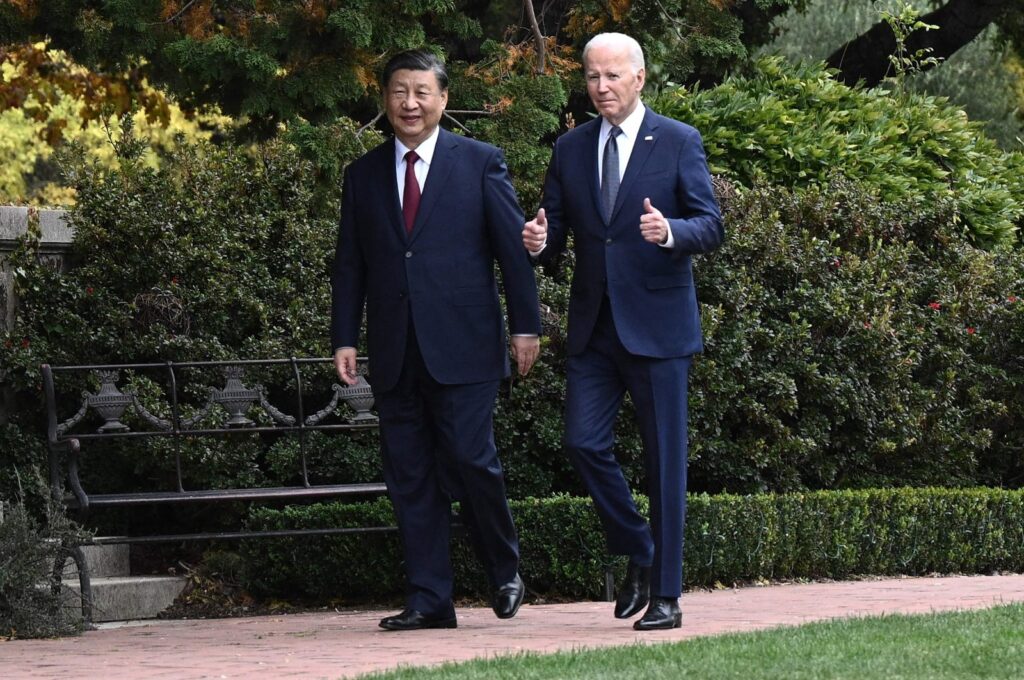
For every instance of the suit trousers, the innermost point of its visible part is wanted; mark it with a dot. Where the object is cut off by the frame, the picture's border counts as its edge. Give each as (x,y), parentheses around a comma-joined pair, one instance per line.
(597,380)
(437,445)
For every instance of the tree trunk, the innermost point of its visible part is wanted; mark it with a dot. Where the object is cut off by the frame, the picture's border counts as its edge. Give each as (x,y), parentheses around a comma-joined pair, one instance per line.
(866,57)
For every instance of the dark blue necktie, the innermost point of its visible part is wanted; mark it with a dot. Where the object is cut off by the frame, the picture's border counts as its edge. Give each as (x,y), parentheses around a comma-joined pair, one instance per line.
(610,173)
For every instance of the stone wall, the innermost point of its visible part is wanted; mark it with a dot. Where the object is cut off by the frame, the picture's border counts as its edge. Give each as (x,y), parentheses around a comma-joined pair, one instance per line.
(55,241)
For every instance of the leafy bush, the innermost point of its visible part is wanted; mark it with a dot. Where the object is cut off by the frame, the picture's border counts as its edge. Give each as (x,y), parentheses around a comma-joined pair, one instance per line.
(795,126)
(851,342)
(222,252)
(826,364)
(562,550)
(978,77)
(729,539)
(31,602)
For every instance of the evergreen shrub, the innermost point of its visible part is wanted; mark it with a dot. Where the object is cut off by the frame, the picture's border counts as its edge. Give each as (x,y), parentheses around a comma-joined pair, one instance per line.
(222,252)
(856,335)
(854,342)
(729,539)
(796,126)
(32,604)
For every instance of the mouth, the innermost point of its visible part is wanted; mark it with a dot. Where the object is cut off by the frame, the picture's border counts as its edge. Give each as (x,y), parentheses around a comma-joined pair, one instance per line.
(410,120)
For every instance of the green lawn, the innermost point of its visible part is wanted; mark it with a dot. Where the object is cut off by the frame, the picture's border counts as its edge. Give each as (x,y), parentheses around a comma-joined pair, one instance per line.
(979,644)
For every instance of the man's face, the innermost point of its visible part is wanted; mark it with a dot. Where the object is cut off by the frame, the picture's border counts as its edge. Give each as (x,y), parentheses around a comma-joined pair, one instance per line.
(414,103)
(611,83)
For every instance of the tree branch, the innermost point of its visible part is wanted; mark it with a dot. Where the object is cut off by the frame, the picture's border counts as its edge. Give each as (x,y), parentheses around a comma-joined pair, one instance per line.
(538,36)
(464,128)
(175,16)
(360,131)
(866,57)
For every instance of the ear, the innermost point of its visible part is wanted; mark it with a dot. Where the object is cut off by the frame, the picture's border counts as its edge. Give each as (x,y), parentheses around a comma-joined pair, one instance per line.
(641,78)
(444,99)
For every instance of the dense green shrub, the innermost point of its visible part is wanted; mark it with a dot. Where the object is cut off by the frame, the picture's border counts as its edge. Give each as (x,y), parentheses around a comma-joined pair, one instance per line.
(796,126)
(852,342)
(826,364)
(31,602)
(729,539)
(978,77)
(223,252)
(562,550)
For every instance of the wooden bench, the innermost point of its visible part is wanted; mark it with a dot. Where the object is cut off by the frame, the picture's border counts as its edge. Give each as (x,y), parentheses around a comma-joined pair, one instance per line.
(199,400)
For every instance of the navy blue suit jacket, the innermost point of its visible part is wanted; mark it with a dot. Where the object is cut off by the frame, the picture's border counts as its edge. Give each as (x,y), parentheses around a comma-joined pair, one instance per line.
(650,288)
(442,275)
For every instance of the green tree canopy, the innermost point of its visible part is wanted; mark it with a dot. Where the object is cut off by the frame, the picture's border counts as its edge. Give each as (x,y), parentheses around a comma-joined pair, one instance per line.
(268,62)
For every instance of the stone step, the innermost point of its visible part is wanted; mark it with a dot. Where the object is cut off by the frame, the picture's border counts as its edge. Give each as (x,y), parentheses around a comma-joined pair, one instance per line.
(124,598)
(103,560)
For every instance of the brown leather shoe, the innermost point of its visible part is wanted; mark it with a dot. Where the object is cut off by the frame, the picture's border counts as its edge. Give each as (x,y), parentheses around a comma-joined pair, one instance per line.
(634,592)
(410,619)
(663,614)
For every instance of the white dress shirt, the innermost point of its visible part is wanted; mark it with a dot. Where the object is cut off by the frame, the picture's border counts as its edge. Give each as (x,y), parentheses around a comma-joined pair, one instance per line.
(630,130)
(425,151)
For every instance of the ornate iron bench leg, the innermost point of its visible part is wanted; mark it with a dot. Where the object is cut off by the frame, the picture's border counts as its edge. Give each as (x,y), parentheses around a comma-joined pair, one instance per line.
(76,553)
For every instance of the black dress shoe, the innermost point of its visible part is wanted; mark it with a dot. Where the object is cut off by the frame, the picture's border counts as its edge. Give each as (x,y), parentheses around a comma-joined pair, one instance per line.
(410,619)
(663,614)
(634,591)
(508,598)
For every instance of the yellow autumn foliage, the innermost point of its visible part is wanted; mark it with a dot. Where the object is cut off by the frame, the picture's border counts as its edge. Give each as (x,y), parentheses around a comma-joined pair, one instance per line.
(27,175)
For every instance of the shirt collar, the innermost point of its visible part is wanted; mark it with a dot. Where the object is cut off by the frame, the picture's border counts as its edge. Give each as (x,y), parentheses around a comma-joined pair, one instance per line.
(425,150)
(631,126)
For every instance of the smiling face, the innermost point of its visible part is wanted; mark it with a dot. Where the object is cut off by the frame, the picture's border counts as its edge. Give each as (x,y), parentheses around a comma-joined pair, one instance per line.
(414,101)
(613,83)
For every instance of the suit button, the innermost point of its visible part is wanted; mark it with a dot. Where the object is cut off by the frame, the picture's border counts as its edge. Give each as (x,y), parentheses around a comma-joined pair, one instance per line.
(609,241)
(408,254)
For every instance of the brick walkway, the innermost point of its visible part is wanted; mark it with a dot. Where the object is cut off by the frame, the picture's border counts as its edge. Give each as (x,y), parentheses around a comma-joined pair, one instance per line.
(346,644)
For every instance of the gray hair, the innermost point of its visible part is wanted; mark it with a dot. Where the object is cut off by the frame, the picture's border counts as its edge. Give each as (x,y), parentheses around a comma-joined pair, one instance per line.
(636,53)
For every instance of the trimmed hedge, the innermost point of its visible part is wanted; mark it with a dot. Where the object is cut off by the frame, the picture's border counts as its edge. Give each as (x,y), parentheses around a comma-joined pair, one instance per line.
(729,539)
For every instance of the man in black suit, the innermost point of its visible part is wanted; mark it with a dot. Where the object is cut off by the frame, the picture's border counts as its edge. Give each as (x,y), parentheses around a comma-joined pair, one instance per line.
(634,189)
(424,218)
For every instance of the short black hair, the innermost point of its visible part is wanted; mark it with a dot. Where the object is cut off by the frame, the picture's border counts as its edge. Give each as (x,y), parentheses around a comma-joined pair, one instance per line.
(415,60)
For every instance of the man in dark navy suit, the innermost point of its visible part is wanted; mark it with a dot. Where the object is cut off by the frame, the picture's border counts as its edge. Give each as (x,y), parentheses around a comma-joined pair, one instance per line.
(424,218)
(635,190)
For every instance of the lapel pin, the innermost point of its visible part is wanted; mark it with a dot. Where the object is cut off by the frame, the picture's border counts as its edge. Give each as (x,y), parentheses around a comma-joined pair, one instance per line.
(649,138)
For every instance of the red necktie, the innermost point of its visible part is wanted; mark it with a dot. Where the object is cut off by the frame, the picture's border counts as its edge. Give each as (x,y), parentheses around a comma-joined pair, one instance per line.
(411,197)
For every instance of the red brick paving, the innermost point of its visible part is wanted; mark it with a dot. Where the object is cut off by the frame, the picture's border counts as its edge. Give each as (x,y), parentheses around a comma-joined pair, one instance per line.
(346,644)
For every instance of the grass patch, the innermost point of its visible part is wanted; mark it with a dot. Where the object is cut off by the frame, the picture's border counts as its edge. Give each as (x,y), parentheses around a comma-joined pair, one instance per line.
(986,643)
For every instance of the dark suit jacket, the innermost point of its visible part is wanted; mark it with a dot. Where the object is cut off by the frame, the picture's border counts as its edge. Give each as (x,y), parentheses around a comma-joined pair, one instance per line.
(650,288)
(442,275)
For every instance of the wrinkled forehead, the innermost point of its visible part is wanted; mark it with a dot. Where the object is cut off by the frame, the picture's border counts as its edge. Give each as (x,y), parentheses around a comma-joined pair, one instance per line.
(608,57)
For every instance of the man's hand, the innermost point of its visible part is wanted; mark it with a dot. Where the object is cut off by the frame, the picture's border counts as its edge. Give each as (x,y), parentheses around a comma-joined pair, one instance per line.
(653,224)
(525,350)
(535,233)
(345,364)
